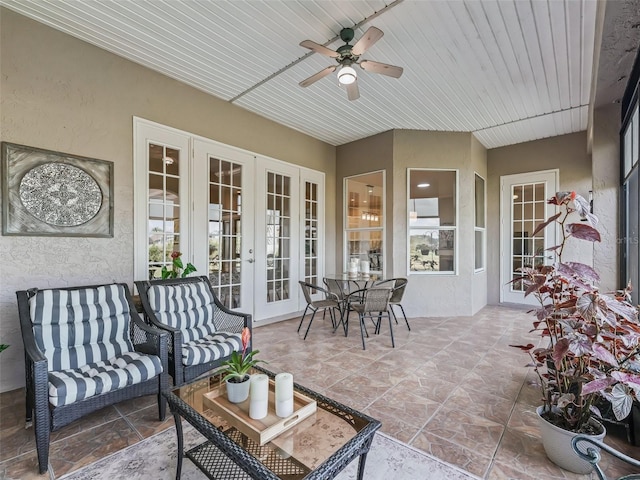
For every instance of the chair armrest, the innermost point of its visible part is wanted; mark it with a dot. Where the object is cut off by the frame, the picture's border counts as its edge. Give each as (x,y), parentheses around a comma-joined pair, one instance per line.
(329,295)
(586,452)
(356,293)
(150,340)
(31,350)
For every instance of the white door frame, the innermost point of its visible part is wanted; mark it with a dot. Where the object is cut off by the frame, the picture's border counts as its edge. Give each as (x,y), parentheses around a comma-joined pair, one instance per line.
(194,212)
(203,150)
(552,180)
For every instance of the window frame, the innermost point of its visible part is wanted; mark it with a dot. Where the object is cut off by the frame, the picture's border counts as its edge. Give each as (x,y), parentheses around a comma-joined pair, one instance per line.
(455,228)
(382,228)
(482,229)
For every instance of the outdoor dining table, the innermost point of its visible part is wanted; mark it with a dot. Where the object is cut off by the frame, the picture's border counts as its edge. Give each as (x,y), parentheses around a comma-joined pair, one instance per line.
(347,286)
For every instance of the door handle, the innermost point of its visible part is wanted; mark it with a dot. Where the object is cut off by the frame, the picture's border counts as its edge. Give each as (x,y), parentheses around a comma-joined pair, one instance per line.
(250,260)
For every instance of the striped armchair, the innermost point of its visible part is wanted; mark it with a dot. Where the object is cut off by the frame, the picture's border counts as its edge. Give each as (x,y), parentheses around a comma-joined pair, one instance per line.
(86,348)
(204,332)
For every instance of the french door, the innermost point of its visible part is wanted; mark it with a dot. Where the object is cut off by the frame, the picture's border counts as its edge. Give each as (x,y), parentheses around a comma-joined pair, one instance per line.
(223,230)
(277,240)
(523,207)
(253,225)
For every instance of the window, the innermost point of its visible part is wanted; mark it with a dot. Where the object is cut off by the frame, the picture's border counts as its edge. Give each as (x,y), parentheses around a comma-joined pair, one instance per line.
(480,228)
(630,222)
(364,219)
(432,220)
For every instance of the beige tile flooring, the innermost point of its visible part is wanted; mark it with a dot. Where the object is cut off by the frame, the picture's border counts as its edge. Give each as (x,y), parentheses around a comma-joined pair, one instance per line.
(452,387)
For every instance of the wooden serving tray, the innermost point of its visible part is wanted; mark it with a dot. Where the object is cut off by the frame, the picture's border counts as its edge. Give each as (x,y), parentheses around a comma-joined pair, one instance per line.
(267,428)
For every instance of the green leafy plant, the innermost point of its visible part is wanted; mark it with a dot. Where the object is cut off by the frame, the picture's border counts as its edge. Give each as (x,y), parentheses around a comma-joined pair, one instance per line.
(591,340)
(239,364)
(178,270)
(3,347)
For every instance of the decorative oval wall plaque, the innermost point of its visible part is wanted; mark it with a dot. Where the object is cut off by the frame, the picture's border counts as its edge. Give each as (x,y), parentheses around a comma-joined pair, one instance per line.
(60,194)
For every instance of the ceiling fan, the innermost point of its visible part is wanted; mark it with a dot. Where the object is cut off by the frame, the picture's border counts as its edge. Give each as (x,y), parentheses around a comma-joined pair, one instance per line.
(347,56)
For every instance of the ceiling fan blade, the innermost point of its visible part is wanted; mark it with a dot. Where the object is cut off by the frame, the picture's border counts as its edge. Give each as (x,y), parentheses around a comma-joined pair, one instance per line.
(371,36)
(383,68)
(353,92)
(314,78)
(316,47)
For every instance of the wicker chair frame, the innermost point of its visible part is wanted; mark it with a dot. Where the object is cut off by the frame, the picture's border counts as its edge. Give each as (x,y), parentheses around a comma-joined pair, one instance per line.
(46,417)
(231,320)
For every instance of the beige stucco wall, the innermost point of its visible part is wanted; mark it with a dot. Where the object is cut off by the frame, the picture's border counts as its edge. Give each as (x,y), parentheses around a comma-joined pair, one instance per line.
(437,295)
(395,152)
(61,94)
(371,154)
(568,153)
(605,157)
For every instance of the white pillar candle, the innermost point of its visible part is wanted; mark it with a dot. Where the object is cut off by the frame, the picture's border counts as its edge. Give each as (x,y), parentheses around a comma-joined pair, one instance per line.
(364,267)
(284,394)
(258,396)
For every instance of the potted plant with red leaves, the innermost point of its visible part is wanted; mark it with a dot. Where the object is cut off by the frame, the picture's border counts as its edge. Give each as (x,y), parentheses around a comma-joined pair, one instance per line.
(590,340)
(176,270)
(236,370)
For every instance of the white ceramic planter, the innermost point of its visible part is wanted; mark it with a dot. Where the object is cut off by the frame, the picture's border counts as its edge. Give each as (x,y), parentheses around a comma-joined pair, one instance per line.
(557,445)
(238,392)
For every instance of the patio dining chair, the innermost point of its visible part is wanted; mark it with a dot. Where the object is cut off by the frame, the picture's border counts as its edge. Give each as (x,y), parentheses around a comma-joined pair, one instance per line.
(374,305)
(330,302)
(398,285)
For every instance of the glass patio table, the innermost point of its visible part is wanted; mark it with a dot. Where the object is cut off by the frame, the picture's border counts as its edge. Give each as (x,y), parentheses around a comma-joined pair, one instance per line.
(344,285)
(318,447)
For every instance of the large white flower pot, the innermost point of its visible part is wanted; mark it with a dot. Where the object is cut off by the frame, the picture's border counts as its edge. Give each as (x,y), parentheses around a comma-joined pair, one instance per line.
(557,445)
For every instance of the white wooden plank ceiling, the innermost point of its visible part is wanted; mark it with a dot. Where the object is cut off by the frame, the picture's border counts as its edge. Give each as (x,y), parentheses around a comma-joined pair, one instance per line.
(508,70)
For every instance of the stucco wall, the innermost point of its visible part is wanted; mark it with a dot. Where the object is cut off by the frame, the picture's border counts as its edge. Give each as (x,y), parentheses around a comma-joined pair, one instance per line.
(568,153)
(605,154)
(437,295)
(61,94)
(364,156)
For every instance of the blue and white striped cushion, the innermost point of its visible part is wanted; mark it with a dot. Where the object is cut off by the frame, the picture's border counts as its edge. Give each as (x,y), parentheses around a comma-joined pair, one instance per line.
(210,348)
(74,328)
(72,385)
(188,307)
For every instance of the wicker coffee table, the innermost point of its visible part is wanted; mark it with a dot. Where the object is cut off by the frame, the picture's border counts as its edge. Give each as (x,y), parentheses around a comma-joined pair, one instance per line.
(318,447)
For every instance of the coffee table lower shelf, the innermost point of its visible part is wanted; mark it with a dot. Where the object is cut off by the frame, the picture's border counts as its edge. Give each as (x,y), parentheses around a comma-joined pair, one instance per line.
(218,466)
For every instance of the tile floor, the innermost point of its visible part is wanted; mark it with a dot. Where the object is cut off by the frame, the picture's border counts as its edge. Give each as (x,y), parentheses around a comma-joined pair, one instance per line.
(452,387)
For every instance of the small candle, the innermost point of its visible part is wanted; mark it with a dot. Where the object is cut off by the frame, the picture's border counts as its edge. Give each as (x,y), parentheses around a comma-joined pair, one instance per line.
(284,394)
(258,396)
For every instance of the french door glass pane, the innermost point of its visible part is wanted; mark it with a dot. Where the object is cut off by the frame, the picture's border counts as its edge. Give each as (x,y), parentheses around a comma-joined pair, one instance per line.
(528,206)
(278,237)
(311,233)
(163,207)
(225,233)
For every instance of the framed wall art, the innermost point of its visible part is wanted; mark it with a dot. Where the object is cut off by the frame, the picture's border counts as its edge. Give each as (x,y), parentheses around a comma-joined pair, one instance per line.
(55,194)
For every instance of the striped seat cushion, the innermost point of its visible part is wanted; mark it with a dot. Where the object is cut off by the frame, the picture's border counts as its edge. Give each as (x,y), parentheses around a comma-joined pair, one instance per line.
(210,348)
(189,307)
(74,328)
(75,384)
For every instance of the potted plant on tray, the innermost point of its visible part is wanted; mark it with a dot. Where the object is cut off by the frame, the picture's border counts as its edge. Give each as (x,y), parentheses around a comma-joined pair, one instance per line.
(236,368)
(590,340)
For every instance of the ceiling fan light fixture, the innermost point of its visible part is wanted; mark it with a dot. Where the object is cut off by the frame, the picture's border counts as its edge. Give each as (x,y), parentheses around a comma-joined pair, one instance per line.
(346,75)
